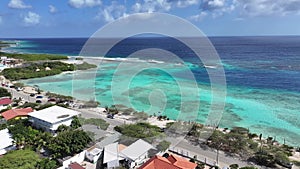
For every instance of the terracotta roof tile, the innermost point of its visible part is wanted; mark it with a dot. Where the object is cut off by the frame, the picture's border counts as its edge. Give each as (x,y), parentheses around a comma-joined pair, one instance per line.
(13,113)
(5,101)
(172,162)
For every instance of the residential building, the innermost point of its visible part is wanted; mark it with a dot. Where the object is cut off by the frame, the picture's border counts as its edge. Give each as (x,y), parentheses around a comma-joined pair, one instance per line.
(131,156)
(136,153)
(93,153)
(171,162)
(6,142)
(16,113)
(4,102)
(50,118)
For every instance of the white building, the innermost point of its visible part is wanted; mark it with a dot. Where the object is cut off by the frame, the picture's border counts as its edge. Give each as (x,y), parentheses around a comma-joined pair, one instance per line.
(50,118)
(6,142)
(93,153)
(134,155)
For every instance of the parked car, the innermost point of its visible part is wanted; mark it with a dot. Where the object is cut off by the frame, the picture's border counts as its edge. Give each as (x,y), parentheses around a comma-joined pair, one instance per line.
(39,97)
(52,100)
(38,101)
(32,95)
(111,116)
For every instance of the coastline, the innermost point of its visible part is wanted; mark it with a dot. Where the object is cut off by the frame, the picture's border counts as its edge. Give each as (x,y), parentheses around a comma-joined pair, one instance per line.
(257,130)
(232,115)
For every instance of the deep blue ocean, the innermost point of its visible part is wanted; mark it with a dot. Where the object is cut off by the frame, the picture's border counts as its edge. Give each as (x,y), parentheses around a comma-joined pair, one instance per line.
(262,75)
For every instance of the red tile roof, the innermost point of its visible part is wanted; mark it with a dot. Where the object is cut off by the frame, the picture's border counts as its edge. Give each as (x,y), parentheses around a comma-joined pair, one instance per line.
(5,101)
(181,162)
(172,162)
(13,113)
(75,166)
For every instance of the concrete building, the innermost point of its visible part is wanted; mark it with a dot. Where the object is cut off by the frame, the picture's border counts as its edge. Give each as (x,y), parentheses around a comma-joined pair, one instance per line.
(50,118)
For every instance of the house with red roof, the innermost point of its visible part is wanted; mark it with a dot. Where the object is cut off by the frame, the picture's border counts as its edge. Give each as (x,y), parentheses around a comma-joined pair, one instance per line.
(4,102)
(171,162)
(16,113)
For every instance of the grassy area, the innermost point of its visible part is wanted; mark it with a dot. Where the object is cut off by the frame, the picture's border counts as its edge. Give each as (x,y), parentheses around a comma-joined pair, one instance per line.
(93,121)
(25,159)
(34,57)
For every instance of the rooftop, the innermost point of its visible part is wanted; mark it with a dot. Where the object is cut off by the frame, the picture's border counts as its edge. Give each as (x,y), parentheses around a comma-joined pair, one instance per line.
(136,149)
(172,162)
(5,140)
(5,101)
(75,166)
(54,114)
(10,114)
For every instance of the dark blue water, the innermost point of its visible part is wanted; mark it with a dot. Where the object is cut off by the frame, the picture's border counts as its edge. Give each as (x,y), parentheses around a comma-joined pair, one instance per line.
(256,62)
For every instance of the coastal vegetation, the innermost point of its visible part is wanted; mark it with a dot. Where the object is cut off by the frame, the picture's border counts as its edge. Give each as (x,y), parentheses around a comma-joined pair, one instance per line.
(85,66)
(36,70)
(239,141)
(33,57)
(42,69)
(139,130)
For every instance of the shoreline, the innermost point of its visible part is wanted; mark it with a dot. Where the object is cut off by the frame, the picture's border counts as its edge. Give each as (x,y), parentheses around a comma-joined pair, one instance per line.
(265,132)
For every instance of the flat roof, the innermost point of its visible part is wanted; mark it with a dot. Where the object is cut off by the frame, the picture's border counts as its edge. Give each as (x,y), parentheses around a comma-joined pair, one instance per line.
(54,114)
(136,149)
(6,139)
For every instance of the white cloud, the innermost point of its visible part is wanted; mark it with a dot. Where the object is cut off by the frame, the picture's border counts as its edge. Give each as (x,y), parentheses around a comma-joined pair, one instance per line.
(52,9)
(84,3)
(199,17)
(31,19)
(112,12)
(268,7)
(18,4)
(152,6)
(186,3)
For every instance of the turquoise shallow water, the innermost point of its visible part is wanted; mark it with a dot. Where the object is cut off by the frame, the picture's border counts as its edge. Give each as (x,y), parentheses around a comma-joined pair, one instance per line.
(271,112)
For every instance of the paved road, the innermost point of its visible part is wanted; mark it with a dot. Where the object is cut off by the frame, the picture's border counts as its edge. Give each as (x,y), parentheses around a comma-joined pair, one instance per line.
(209,154)
(27,98)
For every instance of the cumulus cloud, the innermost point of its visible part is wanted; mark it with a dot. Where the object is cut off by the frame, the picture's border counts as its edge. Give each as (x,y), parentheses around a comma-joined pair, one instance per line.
(152,6)
(268,7)
(31,19)
(84,3)
(112,12)
(52,9)
(185,3)
(199,17)
(162,5)
(18,4)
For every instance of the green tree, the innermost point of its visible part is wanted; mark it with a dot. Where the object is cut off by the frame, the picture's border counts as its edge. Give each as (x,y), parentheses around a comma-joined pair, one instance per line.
(75,123)
(4,93)
(62,128)
(46,163)
(68,143)
(139,130)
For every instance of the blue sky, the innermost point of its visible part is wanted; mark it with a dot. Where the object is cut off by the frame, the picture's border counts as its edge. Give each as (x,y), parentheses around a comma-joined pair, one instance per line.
(81,18)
